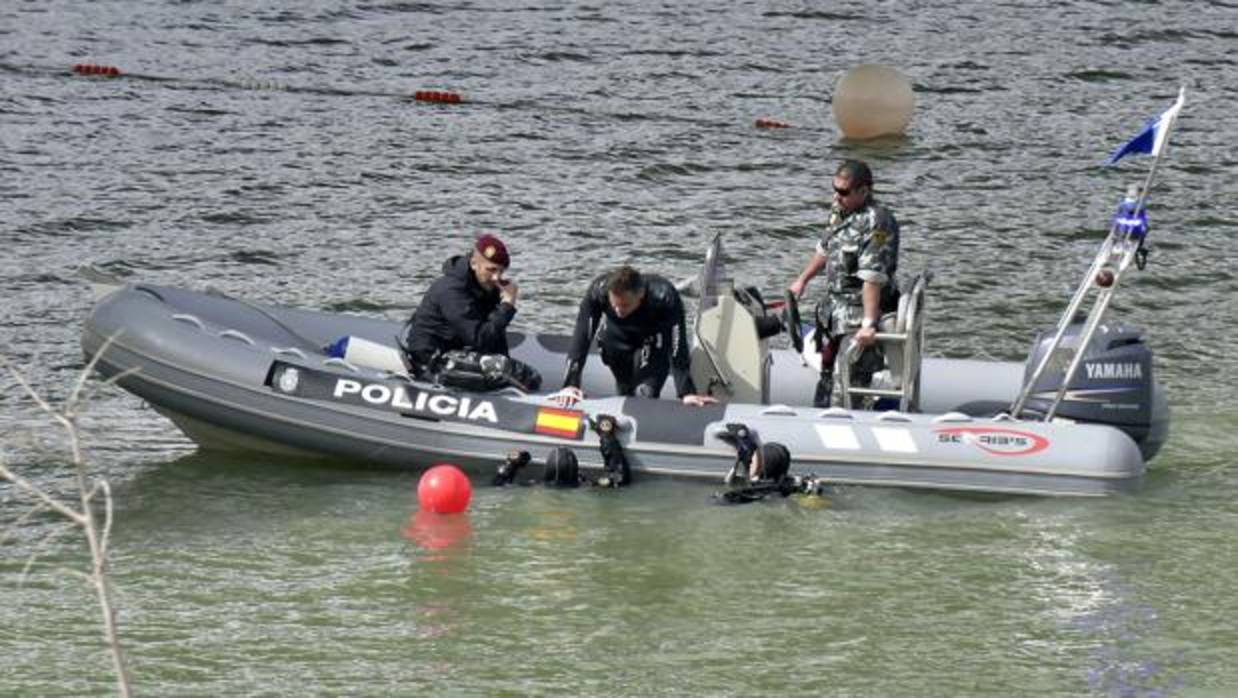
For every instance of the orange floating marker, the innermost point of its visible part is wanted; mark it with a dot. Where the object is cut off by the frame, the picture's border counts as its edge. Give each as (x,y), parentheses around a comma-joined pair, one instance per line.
(437,97)
(95,69)
(770,123)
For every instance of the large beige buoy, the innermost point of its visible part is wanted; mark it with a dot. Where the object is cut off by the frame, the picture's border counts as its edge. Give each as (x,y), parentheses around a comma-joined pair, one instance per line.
(871,101)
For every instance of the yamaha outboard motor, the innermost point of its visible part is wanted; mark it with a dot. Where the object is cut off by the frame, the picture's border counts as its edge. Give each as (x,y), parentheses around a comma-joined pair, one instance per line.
(1113,384)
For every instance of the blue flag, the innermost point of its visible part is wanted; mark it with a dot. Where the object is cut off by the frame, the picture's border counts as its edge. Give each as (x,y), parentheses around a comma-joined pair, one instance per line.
(1155,135)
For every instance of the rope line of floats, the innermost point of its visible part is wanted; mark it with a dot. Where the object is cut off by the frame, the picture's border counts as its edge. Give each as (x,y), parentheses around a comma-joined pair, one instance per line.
(94,70)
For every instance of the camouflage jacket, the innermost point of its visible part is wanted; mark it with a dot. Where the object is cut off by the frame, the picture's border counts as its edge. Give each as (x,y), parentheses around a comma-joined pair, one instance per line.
(858,247)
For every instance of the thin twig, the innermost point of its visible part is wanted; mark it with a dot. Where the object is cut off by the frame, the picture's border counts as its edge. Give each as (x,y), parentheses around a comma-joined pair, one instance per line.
(38,550)
(21,520)
(91,390)
(38,493)
(70,404)
(30,391)
(97,539)
(107,517)
(69,572)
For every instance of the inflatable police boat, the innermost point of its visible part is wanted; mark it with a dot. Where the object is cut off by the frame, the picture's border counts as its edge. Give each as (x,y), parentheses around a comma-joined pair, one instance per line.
(234,374)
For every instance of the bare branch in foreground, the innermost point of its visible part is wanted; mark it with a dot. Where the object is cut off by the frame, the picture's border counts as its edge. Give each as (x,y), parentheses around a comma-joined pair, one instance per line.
(38,550)
(80,516)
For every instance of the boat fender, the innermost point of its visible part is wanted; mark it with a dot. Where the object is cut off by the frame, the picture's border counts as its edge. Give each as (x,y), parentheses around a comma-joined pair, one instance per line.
(359,351)
(618,472)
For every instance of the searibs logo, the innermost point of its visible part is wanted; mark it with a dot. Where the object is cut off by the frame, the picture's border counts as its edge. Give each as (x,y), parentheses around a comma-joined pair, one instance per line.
(1126,370)
(439,404)
(997,441)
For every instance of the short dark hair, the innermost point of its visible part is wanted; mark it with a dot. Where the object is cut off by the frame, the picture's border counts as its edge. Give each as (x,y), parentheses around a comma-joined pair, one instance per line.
(856,172)
(624,280)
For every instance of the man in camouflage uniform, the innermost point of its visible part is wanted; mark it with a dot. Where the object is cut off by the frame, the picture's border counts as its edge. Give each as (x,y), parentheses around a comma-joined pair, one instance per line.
(859,253)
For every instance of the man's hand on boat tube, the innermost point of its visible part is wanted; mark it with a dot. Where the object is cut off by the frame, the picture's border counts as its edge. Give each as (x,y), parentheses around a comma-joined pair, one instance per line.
(699,400)
(568,396)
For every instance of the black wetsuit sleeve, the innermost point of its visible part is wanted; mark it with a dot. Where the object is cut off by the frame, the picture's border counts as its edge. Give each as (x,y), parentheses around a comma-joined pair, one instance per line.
(681,356)
(586,326)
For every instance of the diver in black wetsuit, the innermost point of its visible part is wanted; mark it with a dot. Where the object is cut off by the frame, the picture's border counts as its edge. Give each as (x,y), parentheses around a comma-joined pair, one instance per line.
(562,468)
(642,331)
(761,469)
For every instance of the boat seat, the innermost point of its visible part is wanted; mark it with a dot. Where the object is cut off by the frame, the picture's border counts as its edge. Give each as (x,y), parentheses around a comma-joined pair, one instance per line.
(901,336)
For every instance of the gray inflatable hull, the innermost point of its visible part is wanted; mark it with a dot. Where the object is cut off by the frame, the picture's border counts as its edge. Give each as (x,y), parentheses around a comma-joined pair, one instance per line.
(220,369)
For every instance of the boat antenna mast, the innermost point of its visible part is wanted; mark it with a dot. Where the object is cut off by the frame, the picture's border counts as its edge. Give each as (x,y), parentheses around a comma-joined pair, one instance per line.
(1121,247)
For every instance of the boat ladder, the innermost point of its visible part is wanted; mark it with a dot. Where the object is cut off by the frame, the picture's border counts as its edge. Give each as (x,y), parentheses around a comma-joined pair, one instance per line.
(901,336)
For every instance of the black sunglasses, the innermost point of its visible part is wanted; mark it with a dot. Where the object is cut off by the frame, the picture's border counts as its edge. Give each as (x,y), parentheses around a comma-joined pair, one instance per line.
(845,192)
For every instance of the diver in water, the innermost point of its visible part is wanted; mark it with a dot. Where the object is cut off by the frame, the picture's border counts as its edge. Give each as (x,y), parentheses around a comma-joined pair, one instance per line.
(761,469)
(562,470)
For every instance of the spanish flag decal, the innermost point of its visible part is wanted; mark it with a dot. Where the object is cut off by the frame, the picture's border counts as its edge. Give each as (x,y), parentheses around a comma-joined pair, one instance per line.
(564,423)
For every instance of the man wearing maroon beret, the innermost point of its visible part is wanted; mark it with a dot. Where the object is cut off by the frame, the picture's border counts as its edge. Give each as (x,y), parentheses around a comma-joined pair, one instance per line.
(467,308)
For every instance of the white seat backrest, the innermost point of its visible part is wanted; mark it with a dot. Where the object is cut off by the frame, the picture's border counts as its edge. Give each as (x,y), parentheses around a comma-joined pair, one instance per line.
(900,324)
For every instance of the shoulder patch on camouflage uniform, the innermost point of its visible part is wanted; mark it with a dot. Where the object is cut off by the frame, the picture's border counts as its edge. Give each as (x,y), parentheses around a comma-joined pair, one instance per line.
(880,237)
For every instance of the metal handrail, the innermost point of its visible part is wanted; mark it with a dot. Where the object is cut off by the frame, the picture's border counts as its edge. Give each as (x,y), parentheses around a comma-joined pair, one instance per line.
(911,338)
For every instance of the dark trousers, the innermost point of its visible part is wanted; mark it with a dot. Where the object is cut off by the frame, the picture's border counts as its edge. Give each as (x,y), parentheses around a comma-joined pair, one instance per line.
(642,372)
(869,362)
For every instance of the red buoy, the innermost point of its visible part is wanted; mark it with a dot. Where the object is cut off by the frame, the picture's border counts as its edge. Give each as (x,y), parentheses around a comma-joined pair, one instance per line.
(444,489)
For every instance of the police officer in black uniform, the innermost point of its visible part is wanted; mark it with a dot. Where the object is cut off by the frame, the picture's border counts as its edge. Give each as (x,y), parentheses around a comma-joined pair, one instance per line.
(643,337)
(468,308)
